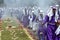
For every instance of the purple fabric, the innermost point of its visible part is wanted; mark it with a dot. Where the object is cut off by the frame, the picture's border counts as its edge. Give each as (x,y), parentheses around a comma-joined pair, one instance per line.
(41,36)
(25,20)
(52,19)
(41,29)
(57,38)
(46,19)
(50,28)
(51,32)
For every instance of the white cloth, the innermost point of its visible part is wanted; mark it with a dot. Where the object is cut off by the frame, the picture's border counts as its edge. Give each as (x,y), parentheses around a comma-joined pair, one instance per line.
(30,22)
(50,13)
(35,26)
(57,32)
(40,18)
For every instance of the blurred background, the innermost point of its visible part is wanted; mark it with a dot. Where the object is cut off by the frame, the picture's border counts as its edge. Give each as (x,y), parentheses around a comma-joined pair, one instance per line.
(29,12)
(43,4)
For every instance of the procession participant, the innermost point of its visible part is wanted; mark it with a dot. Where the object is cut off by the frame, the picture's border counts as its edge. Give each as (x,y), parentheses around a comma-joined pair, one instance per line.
(25,18)
(30,22)
(51,27)
(32,18)
(40,30)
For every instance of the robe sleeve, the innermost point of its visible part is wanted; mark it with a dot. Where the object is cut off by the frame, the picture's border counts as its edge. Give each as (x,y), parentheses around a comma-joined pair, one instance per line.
(46,19)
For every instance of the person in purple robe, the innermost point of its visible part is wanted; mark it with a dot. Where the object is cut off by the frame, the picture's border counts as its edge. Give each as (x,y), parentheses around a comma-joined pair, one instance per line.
(25,18)
(40,30)
(51,26)
(39,20)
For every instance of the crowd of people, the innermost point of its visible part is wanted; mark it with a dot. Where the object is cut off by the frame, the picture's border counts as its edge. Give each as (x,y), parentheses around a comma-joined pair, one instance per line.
(46,26)
(34,22)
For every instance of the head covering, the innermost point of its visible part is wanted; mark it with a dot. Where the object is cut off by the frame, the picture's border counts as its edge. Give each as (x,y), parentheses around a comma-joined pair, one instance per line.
(50,13)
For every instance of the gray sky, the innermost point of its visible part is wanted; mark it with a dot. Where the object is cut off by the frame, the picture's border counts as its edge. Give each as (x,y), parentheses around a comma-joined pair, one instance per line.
(44,4)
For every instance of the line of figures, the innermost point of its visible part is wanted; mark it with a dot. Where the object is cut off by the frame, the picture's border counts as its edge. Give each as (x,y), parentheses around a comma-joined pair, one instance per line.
(46,25)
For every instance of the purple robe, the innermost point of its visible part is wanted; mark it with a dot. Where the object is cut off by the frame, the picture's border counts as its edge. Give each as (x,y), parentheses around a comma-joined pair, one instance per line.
(25,21)
(41,29)
(51,27)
